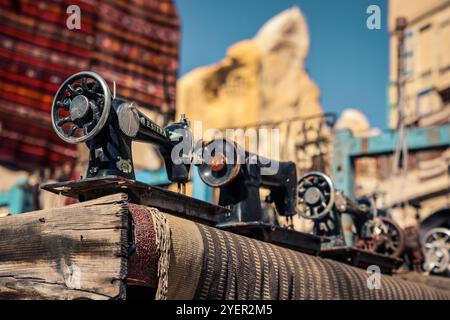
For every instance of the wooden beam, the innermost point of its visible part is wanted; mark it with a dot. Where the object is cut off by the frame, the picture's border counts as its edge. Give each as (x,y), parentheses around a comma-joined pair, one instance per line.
(74,252)
(437,282)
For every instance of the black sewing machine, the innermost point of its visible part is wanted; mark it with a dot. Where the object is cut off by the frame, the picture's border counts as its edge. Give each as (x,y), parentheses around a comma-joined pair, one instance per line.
(352,232)
(241,175)
(84,110)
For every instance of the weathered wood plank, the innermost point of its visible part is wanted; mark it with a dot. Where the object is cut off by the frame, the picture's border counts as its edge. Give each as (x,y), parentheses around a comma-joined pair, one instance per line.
(73,252)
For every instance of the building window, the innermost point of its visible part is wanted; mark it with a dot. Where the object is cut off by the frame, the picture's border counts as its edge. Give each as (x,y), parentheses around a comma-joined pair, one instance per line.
(425,102)
(408,54)
(444,46)
(425,27)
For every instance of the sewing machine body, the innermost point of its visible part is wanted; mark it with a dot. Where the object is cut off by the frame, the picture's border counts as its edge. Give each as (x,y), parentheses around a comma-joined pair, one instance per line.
(351,232)
(84,111)
(240,176)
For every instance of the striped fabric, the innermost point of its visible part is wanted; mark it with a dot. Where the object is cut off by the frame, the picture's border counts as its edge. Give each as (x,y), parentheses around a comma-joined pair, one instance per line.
(207,263)
(134,43)
(137,46)
(237,267)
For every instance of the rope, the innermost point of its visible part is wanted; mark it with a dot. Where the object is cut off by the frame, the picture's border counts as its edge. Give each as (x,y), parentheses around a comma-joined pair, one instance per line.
(163,241)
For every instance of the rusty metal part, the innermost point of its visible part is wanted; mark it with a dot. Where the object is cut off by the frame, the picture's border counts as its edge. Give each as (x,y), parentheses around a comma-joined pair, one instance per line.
(413,255)
(387,237)
(218,162)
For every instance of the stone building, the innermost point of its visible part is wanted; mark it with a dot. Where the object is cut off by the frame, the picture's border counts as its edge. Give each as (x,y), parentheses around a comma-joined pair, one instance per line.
(426,61)
(365,164)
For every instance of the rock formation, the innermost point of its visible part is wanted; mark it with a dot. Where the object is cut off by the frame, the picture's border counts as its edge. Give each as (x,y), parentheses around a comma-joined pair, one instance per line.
(262,82)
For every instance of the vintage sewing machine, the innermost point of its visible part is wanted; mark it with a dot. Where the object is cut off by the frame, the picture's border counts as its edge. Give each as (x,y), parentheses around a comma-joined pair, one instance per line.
(85,111)
(240,176)
(436,245)
(354,232)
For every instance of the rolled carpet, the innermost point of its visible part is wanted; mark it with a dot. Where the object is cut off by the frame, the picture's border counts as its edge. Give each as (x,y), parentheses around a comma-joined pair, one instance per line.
(199,262)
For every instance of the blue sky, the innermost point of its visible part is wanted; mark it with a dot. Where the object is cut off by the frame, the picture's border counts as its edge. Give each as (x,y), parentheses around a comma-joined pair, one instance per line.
(349,62)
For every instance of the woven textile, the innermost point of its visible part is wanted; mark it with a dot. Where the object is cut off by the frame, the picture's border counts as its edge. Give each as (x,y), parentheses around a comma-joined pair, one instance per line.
(207,263)
(37,52)
(134,43)
(143,263)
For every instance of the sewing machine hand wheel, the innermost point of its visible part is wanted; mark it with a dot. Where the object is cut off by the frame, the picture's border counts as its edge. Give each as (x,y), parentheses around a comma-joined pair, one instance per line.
(316,196)
(221,162)
(387,237)
(81,107)
(436,245)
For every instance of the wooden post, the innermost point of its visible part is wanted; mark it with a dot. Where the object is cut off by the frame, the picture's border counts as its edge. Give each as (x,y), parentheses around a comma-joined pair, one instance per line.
(74,252)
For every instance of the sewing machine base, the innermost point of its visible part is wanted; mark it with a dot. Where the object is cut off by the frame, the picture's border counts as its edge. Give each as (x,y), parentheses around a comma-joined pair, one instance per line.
(284,237)
(184,206)
(361,258)
(140,193)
